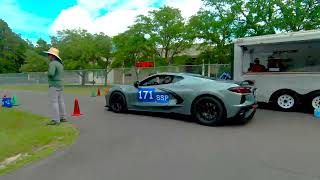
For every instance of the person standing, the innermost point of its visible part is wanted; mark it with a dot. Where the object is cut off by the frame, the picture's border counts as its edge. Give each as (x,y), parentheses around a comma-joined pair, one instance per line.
(55,81)
(257,67)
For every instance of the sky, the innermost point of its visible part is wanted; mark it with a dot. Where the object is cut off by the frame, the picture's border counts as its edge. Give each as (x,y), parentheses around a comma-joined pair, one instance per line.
(34,19)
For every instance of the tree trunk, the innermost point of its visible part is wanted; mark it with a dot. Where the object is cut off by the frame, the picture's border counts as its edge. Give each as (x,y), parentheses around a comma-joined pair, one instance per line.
(175,52)
(83,79)
(170,59)
(82,74)
(136,69)
(106,78)
(167,56)
(106,72)
(137,73)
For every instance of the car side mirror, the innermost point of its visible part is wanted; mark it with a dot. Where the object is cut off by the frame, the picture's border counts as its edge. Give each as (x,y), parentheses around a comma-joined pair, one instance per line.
(136,84)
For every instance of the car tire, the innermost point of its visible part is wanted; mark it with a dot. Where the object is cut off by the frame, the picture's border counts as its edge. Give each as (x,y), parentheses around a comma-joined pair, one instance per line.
(118,102)
(208,111)
(313,101)
(285,100)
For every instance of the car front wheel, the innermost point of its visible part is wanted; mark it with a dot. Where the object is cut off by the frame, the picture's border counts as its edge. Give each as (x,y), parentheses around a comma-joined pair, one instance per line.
(118,102)
(208,111)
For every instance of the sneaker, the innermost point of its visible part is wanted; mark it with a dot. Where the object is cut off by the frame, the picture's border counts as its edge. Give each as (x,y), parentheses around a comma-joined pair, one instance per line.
(52,123)
(63,120)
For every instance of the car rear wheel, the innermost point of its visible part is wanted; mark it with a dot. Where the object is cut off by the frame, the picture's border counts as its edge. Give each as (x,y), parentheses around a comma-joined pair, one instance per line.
(285,100)
(118,102)
(208,111)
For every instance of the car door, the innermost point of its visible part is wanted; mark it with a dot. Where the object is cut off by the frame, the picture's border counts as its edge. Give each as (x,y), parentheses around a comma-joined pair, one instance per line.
(151,94)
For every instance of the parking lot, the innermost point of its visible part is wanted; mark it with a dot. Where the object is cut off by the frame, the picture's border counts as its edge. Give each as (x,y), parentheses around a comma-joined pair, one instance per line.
(274,145)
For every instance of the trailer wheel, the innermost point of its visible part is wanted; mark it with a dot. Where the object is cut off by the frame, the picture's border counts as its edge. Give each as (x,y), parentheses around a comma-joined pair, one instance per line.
(285,100)
(314,101)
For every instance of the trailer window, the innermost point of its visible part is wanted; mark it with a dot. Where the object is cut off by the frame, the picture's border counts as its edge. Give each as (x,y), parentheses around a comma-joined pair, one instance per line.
(289,57)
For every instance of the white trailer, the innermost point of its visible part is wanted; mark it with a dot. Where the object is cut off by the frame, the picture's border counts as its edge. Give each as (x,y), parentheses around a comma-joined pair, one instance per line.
(292,68)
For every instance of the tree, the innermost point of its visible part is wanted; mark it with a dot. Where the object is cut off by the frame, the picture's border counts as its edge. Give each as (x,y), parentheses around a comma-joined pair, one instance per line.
(214,31)
(131,46)
(12,49)
(41,45)
(54,41)
(167,29)
(6,66)
(260,17)
(81,50)
(34,62)
(103,46)
(35,59)
(249,17)
(296,15)
(221,21)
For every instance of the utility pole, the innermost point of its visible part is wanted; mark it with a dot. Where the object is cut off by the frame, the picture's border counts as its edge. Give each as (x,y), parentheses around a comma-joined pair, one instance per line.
(203,67)
(123,73)
(209,69)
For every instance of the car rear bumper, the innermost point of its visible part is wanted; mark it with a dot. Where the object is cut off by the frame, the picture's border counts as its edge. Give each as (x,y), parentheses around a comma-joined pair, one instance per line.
(246,112)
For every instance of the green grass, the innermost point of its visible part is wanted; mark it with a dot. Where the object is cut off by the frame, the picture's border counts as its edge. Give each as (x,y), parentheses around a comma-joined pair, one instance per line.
(68,89)
(25,133)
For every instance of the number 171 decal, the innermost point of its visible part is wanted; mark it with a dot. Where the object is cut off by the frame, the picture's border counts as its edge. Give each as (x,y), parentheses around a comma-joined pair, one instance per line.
(150,95)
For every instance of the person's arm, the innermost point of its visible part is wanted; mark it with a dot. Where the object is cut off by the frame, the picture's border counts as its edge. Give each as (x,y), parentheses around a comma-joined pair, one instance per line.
(51,70)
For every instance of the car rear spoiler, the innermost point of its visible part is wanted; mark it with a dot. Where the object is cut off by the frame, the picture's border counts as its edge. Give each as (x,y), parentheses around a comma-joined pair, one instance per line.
(247,82)
(240,83)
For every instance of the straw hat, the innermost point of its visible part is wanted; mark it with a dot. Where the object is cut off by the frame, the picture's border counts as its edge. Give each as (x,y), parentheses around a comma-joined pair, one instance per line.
(53,51)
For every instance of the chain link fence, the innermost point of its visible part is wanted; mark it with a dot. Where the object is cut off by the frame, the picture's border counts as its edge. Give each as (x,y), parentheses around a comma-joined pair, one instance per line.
(115,76)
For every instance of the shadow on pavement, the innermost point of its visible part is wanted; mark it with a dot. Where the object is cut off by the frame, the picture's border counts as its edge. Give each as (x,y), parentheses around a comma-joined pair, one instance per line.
(183,118)
(299,109)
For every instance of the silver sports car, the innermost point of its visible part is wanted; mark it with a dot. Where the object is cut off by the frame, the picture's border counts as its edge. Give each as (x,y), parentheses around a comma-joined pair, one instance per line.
(210,102)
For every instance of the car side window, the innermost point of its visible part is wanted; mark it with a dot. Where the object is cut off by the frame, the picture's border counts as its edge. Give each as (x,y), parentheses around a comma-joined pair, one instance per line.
(157,80)
(166,79)
(151,81)
(177,79)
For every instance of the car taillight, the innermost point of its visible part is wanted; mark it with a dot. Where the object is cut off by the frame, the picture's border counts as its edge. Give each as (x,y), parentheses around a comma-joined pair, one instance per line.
(240,90)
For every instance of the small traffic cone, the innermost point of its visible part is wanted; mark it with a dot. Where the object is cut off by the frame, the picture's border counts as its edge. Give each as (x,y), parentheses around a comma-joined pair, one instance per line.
(3,100)
(317,113)
(93,93)
(6,102)
(98,93)
(76,109)
(15,101)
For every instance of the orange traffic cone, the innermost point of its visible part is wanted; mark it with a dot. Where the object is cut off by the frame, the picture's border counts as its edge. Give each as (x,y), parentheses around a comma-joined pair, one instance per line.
(76,110)
(98,94)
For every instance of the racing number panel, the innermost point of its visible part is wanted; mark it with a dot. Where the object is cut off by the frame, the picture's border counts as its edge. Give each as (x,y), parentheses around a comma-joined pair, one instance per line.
(154,97)
(151,95)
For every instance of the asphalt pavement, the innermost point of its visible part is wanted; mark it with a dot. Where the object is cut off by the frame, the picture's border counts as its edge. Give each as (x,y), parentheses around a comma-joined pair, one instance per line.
(274,145)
